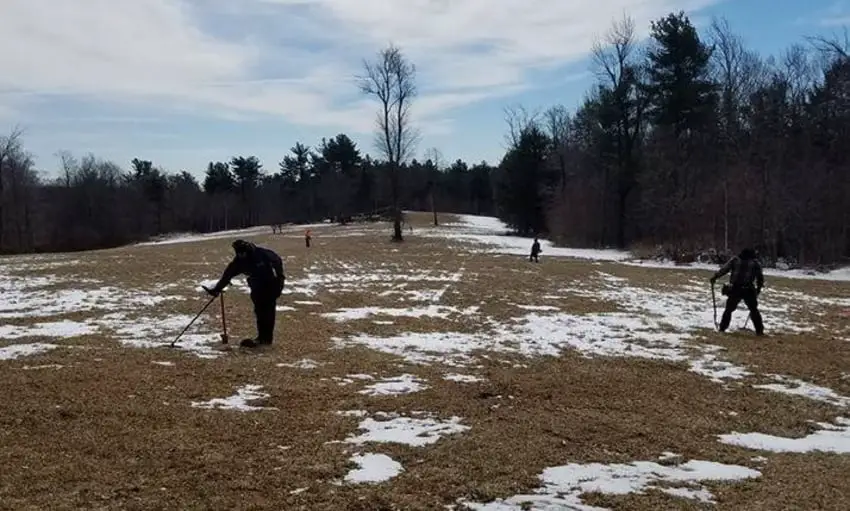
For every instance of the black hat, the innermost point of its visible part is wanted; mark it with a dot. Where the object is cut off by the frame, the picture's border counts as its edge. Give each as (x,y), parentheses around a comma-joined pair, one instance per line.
(242,247)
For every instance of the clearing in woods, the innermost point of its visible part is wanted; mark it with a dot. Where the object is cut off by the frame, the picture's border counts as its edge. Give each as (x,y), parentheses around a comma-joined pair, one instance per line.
(447,372)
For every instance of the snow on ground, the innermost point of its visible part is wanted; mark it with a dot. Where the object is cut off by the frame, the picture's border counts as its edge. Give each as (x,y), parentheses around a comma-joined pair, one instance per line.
(234,234)
(794,387)
(462,378)
(834,438)
(404,384)
(45,296)
(304,363)
(238,402)
(415,432)
(373,468)
(159,332)
(432,311)
(61,329)
(563,486)
(14,351)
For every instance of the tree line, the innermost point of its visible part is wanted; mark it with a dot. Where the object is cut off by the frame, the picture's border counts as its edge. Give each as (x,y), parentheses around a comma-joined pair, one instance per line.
(94,203)
(691,144)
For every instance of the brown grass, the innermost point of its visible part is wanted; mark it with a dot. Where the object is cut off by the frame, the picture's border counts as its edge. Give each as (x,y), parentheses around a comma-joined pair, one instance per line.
(112,430)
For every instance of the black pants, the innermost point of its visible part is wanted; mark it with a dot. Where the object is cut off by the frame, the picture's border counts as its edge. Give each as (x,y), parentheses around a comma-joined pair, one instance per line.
(534,257)
(750,298)
(265,310)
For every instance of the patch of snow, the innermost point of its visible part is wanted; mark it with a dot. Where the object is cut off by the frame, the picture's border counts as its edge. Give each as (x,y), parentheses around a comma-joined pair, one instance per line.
(353,413)
(31,297)
(794,387)
(237,402)
(404,384)
(374,468)
(718,370)
(307,302)
(285,308)
(64,329)
(148,332)
(832,438)
(304,363)
(383,322)
(563,486)
(46,366)
(14,351)
(299,490)
(463,378)
(433,311)
(407,431)
(163,363)
(541,308)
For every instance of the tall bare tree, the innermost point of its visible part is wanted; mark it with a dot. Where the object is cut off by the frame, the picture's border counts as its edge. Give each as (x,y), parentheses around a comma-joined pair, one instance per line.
(391,79)
(10,149)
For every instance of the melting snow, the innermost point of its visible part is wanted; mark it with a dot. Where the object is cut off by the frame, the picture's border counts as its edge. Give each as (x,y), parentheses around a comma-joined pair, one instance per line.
(237,402)
(564,485)
(14,351)
(800,388)
(147,332)
(832,438)
(374,468)
(463,378)
(434,311)
(304,363)
(404,384)
(65,329)
(406,430)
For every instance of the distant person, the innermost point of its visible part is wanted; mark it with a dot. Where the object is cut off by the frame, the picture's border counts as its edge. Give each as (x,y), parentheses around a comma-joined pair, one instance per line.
(535,251)
(266,279)
(308,235)
(745,283)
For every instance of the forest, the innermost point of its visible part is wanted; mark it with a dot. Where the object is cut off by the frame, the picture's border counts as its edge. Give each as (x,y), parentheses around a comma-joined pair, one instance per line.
(687,143)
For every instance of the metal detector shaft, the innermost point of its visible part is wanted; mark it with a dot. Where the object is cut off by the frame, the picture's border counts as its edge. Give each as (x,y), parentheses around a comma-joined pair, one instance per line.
(193,321)
(224,338)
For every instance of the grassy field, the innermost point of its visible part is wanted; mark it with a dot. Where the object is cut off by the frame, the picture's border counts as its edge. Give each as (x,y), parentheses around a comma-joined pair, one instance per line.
(447,372)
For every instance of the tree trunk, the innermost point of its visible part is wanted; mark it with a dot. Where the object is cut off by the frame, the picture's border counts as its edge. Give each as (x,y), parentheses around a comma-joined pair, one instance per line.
(434,207)
(397,234)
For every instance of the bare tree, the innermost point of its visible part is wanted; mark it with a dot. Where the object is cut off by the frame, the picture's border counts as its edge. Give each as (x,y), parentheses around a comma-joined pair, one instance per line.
(391,79)
(620,90)
(739,73)
(557,121)
(10,148)
(518,120)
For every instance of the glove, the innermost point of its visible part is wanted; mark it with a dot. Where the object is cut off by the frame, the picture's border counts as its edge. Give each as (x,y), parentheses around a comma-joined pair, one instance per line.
(212,292)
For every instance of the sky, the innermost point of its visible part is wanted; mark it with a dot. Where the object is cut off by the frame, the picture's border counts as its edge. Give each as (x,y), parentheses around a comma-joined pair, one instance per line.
(186,82)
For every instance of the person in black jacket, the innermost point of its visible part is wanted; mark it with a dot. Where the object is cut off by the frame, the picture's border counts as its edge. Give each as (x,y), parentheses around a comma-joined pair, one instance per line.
(266,279)
(535,251)
(745,284)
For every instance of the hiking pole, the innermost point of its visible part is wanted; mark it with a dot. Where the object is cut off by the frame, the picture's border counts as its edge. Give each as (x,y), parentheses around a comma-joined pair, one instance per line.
(714,304)
(193,320)
(224,338)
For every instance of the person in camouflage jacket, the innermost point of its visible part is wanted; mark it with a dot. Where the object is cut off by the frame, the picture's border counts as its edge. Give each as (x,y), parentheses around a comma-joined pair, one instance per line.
(745,283)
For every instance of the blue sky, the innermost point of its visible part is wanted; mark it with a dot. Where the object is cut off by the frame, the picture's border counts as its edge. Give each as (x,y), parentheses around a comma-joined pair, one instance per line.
(184,82)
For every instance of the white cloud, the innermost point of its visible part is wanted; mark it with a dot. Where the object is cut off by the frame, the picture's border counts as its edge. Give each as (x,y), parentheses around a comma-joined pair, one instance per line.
(295,58)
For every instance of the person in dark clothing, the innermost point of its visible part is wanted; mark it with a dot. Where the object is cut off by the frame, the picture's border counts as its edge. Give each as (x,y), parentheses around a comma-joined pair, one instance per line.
(535,251)
(308,235)
(266,279)
(745,283)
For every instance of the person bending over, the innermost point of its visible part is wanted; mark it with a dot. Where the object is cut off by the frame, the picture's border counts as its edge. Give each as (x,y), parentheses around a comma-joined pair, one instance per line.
(265,276)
